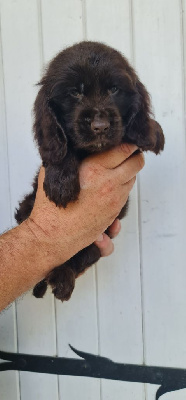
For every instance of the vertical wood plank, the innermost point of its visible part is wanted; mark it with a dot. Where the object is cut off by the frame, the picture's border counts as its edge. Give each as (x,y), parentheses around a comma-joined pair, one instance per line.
(18,51)
(5,216)
(63,25)
(158,54)
(21,56)
(118,276)
(9,383)
(77,325)
(37,335)
(109,22)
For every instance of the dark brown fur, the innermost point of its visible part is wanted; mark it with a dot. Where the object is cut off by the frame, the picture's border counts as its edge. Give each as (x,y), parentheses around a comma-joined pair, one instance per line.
(90,100)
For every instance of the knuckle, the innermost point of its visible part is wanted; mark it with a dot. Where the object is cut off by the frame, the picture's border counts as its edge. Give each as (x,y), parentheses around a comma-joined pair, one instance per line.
(111,249)
(134,180)
(127,149)
(131,183)
(141,160)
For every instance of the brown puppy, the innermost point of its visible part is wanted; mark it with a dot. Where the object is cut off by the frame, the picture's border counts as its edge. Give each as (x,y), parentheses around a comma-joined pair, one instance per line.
(89,101)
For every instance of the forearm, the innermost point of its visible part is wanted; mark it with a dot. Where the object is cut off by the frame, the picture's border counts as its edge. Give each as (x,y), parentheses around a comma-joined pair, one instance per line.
(25,258)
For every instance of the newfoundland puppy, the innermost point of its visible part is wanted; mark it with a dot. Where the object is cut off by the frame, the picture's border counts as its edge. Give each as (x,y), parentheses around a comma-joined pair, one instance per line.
(90,100)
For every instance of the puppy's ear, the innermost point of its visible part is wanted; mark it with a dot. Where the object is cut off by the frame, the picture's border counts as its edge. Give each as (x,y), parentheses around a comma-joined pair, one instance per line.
(142,129)
(158,138)
(48,130)
(61,182)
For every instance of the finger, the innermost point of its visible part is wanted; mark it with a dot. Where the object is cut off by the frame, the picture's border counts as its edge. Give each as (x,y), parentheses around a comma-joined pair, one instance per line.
(105,246)
(114,157)
(114,229)
(129,168)
(40,194)
(41,176)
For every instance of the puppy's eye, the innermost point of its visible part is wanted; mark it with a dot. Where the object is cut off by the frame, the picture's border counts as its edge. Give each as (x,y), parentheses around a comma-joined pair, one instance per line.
(75,92)
(113,90)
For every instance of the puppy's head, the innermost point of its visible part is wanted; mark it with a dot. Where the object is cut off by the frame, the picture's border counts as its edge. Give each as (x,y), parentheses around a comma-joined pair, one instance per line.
(92,100)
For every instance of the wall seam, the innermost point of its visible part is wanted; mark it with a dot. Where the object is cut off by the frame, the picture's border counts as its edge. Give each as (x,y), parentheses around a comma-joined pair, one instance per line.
(40,34)
(133,59)
(41,53)
(5,120)
(95,274)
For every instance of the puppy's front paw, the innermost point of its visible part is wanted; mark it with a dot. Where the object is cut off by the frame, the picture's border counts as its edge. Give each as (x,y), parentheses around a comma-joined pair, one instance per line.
(40,289)
(155,140)
(62,281)
(60,186)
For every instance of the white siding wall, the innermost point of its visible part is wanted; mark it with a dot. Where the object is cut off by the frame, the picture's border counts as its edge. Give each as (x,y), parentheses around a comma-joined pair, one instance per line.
(131,307)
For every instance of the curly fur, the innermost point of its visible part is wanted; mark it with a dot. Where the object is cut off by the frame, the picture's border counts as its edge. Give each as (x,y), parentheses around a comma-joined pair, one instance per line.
(90,100)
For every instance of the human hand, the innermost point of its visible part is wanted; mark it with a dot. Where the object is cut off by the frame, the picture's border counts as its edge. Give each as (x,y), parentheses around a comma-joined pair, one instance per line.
(106,180)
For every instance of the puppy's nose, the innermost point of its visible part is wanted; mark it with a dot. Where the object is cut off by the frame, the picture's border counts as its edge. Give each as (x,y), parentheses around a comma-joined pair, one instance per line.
(100,125)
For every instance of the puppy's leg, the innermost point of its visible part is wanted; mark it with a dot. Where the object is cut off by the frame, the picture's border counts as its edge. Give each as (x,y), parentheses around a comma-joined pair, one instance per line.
(62,278)
(62,281)
(147,137)
(40,289)
(154,139)
(26,205)
(61,182)
(85,258)
(158,138)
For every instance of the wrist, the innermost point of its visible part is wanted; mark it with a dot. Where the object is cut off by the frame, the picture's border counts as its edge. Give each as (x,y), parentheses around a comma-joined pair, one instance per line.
(25,257)
(49,249)
(36,256)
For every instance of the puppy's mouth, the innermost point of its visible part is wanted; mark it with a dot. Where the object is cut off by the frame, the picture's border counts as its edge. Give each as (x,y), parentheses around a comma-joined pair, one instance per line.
(99,145)
(85,140)
(100,142)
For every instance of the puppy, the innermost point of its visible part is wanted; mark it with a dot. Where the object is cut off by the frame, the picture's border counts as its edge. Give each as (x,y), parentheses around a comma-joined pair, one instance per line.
(90,100)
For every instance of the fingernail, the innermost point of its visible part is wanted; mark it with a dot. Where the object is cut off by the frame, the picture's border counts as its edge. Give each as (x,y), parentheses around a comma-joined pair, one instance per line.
(100,238)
